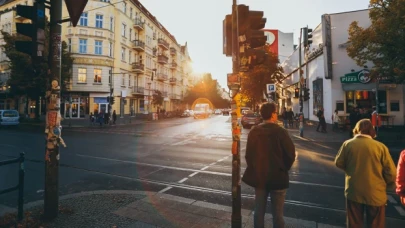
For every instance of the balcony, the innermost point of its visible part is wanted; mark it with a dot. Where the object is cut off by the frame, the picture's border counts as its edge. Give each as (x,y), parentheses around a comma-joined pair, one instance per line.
(173,65)
(161,77)
(154,52)
(174,96)
(138,67)
(138,24)
(163,59)
(138,90)
(173,51)
(139,45)
(163,44)
(173,81)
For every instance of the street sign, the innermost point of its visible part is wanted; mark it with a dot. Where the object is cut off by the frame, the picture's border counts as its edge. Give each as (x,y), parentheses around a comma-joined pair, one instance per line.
(75,9)
(233,80)
(270,88)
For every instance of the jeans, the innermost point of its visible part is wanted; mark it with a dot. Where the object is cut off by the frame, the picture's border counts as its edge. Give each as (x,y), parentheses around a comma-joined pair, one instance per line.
(285,122)
(277,207)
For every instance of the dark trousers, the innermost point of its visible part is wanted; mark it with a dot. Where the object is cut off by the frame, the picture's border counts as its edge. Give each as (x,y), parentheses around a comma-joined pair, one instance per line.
(375,216)
(322,124)
(277,207)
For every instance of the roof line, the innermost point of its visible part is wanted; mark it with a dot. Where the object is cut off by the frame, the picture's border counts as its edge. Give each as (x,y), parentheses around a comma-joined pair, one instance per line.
(353,11)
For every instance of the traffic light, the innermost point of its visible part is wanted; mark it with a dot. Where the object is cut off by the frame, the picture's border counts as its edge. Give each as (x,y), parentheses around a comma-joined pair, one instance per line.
(108,99)
(112,100)
(35,30)
(296,93)
(250,25)
(306,94)
(227,35)
(307,36)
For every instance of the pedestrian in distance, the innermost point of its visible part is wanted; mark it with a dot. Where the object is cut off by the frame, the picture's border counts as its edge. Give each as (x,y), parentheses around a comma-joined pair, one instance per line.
(284,115)
(114,116)
(321,119)
(400,181)
(335,119)
(290,117)
(270,153)
(354,117)
(91,119)
(369,171)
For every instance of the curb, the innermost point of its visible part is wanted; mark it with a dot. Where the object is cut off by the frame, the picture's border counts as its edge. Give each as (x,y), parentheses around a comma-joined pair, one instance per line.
(206,205)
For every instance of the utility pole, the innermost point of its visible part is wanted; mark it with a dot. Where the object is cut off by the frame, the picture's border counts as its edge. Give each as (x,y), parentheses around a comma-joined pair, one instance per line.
(53,126)
(301,84)
(236,130)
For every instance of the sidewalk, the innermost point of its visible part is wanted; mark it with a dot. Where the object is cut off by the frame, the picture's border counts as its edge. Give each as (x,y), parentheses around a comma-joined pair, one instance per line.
(145,209)
(149,209)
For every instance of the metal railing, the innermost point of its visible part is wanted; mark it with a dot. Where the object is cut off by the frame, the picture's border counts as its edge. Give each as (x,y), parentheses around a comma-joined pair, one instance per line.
(20,186)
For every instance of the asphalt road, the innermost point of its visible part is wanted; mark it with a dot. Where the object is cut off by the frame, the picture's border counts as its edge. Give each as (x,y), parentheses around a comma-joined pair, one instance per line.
(183,157)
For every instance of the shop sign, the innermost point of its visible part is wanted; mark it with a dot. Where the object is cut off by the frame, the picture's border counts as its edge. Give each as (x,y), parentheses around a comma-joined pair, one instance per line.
(362,76)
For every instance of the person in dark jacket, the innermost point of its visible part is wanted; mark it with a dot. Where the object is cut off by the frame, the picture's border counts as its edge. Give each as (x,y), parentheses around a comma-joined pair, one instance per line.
(322,121)
(270,153)
(114,116)
(354,117)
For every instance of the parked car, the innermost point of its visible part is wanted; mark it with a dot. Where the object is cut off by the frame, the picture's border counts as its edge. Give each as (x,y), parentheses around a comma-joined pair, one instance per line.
(250,119)
(185,114)
(217,112)
(225,112)
(9,117)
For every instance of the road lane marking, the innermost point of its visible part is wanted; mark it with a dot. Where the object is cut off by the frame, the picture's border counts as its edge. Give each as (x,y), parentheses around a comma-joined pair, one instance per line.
(400,210)
(213,163)
(206,167)
(193,174)
(391,199)
(165,189)
(182,180)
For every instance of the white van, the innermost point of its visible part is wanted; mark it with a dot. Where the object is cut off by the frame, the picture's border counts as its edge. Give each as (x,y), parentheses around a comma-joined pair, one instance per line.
(9,117)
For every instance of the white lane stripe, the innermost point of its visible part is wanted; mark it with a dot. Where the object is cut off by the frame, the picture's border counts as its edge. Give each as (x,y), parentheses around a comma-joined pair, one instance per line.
(165,189)
(391,199)
(181,142)
(213,163)
(182,180)
(400,210)
(193,174)
(206,167)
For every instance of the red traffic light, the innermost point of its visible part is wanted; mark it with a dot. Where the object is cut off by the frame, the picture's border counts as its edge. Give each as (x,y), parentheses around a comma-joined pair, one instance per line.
(75,9)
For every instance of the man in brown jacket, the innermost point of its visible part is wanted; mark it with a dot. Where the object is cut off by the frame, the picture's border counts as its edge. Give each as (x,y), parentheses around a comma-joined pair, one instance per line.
(270,154)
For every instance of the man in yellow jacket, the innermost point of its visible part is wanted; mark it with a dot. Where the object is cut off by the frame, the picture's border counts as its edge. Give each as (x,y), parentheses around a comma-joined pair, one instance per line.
(369,172)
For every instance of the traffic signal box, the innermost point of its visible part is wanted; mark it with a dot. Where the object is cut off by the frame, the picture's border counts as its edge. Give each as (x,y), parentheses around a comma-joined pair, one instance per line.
(35,30)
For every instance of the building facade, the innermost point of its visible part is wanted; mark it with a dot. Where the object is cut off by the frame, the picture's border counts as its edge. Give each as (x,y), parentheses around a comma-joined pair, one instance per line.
(119,48)
(334,79)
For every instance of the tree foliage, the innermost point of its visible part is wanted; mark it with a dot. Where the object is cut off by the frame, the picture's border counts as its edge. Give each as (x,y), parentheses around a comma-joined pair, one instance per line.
(157,98)
(206,88)
(253,83)
(383,42)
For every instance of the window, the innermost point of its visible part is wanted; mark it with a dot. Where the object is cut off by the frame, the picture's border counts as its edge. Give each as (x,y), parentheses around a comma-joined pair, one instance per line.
(110,48)
(69,45)
(124,28)
(130,34)
(129,56)
(129,80)
(111,23)
(83,19)
(99,21)
(130,12)
(123,54)
(98,47)
(82,46)
(123,80)
(97,75)
(124,7)
(82,75)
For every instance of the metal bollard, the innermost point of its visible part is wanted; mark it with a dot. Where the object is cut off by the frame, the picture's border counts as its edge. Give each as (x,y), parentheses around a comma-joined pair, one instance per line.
(21,175)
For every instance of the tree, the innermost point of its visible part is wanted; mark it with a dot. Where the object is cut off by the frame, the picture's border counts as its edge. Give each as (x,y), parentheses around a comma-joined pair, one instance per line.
(157,98)
(381,43)
(23,81)
(253,83)
(206,88)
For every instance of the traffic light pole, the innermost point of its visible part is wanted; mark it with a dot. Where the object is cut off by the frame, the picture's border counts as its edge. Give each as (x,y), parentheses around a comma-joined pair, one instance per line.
(301,87)
(236,177)
(53,117)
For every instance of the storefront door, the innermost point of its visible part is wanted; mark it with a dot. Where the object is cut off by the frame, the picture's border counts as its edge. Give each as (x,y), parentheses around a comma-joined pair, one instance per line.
(103,108)
(75,110)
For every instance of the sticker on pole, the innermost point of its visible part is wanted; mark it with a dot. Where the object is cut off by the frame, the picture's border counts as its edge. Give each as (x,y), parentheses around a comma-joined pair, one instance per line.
(270,88)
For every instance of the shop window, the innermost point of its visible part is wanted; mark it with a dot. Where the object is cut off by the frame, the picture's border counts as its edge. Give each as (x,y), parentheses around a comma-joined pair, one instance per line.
(340,106)
(394,105)
(382,100)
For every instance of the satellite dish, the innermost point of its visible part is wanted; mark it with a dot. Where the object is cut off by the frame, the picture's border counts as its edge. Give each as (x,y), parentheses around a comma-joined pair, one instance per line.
(2,2)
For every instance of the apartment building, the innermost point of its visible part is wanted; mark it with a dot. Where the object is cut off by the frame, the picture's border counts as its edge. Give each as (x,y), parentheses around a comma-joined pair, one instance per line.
(118,47)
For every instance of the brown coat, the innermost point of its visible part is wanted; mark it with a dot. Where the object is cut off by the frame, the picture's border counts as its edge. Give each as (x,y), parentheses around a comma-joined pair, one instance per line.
(270,154)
